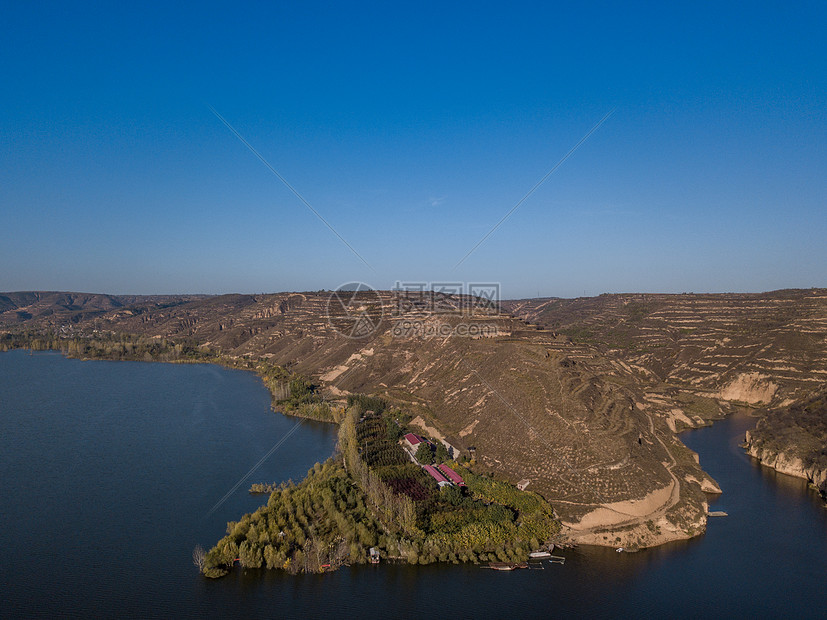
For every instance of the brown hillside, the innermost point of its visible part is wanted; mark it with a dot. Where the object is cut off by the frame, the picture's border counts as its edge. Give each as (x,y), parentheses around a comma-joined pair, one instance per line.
(583,403)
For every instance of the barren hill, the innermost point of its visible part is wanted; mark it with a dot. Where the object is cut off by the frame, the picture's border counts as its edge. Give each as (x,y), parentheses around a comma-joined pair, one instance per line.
(583,403)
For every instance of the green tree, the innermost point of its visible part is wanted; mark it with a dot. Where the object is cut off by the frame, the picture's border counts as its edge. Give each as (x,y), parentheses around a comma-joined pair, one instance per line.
(393,429)
(300,388)
(441,453)
(424,454)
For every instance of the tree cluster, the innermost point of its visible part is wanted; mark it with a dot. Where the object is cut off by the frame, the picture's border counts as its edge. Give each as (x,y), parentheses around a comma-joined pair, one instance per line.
(322,522)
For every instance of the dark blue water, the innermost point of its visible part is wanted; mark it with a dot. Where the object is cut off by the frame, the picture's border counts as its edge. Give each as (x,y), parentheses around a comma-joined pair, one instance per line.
(109,470)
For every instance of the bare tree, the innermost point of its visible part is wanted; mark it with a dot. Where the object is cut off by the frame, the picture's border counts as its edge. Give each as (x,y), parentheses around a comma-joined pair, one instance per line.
(199,557)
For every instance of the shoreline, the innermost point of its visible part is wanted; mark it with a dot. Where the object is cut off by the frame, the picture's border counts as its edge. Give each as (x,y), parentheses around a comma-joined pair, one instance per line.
(597,533)
(634,524)
(782,463)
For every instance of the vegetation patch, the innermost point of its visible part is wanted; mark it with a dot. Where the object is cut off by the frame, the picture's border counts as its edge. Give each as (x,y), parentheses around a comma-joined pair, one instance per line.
(373,495)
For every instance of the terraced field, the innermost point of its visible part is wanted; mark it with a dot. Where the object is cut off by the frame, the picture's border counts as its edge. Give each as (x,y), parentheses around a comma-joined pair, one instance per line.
(696,356)
(766,349)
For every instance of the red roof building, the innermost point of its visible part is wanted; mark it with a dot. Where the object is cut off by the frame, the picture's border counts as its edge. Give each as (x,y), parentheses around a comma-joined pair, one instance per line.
(435,474)
(413,439)
(451,475)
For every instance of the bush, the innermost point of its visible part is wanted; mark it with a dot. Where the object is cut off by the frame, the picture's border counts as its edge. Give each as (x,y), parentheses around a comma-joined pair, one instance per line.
(451,495)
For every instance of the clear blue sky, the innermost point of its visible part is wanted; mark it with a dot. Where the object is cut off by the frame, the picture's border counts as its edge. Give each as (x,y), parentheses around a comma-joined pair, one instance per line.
(413,129)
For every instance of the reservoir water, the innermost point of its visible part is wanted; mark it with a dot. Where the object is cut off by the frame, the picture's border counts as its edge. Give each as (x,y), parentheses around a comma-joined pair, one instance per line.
(110,472)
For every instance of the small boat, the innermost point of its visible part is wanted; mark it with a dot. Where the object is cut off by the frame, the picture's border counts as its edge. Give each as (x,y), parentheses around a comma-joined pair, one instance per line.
(507,565)
(502,566)
(620,550)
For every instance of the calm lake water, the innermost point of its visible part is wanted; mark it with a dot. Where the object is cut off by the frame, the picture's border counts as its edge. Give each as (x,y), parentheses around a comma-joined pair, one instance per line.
(109,470)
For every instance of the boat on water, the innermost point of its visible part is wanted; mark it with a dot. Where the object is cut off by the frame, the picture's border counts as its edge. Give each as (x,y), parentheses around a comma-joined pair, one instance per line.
(507,565)
(620,550)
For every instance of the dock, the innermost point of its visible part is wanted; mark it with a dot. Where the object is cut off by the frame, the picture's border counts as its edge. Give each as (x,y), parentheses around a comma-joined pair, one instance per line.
(542,553)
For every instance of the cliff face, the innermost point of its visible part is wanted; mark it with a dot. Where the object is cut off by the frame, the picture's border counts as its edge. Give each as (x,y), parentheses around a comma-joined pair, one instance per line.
(787,463)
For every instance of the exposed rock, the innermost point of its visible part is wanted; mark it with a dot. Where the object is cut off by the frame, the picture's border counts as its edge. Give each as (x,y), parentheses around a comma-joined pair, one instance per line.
(752,388)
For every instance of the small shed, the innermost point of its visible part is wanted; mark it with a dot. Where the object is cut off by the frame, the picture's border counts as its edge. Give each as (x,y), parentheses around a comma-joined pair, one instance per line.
(522,484)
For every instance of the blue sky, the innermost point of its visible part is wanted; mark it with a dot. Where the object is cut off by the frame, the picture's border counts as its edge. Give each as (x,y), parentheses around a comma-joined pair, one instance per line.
(412,130)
